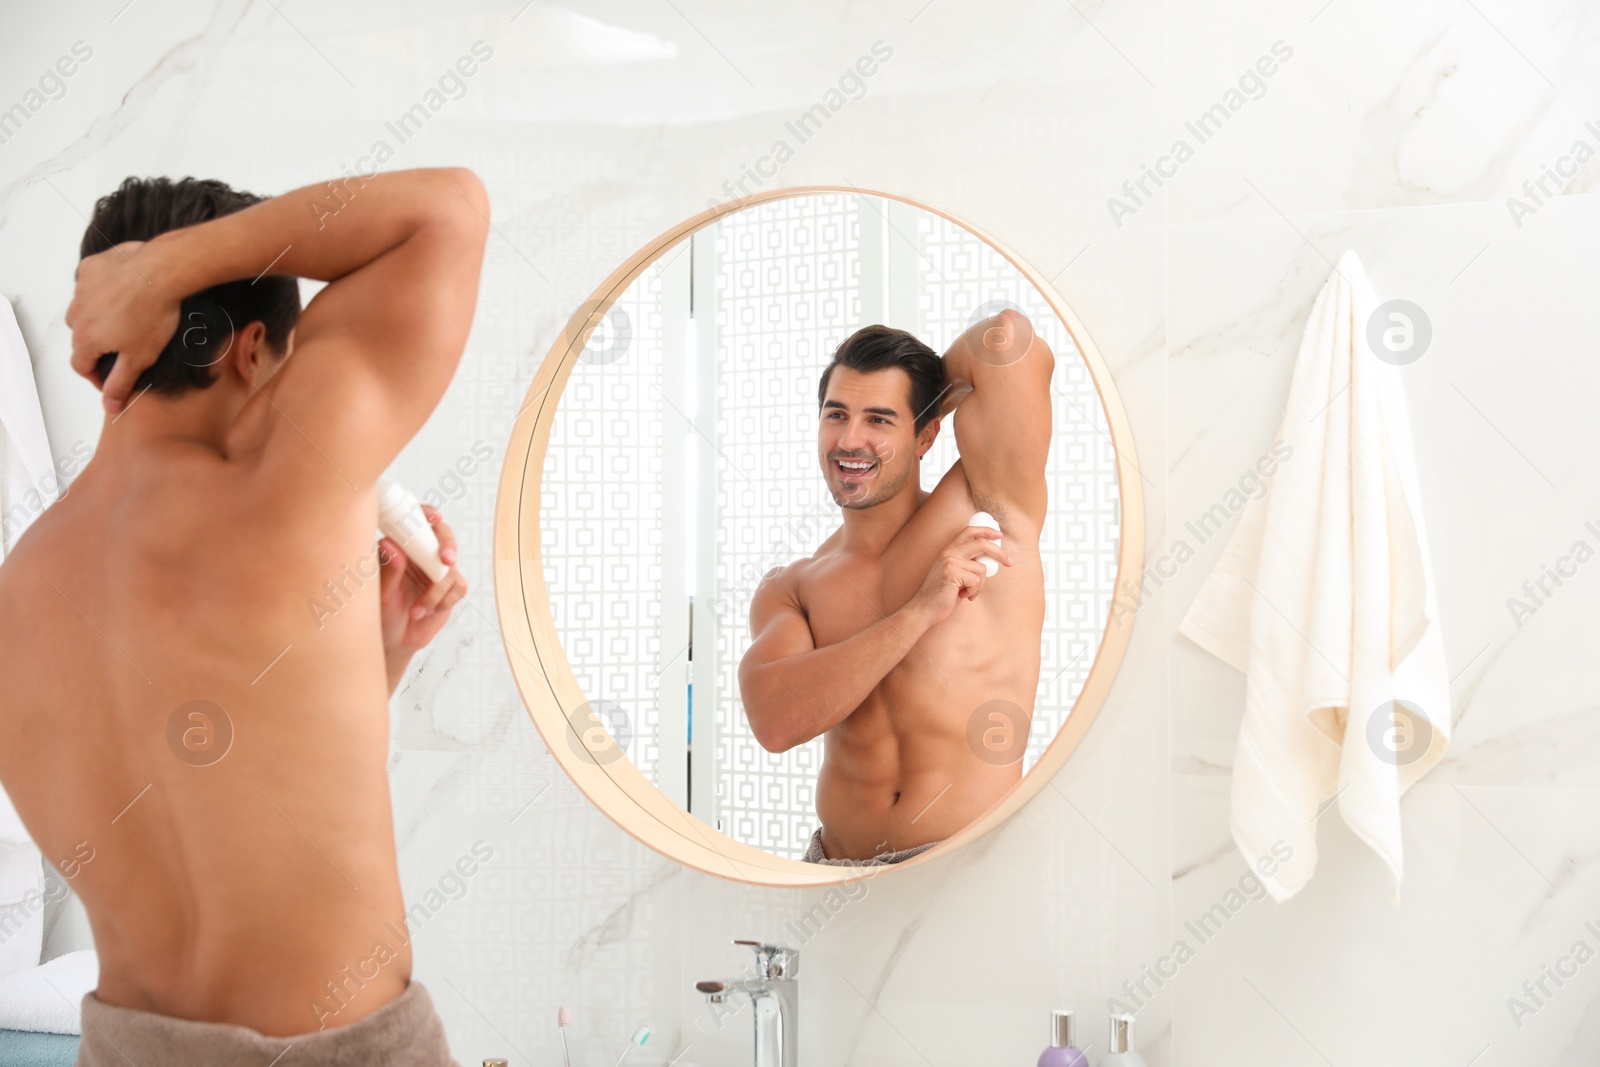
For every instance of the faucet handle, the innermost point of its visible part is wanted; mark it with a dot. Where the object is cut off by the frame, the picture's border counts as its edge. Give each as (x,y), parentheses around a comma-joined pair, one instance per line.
(776,961)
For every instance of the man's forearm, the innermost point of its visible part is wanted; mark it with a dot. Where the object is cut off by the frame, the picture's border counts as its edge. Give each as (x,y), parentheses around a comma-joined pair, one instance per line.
(396,664)
(321,231)
(957,377)
(791,700)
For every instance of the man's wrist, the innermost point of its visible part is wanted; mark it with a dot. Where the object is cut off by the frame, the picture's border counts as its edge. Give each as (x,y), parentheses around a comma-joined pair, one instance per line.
(957,384)
(396,660)
(914,618)
(171,267)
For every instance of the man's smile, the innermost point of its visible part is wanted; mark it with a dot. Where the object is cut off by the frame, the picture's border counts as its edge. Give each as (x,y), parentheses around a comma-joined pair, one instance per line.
(854,470)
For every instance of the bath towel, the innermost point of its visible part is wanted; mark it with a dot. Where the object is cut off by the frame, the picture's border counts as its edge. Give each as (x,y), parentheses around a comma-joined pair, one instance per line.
(27,474)
(23,1048)
(406,1032)
(45,999)
(815,854)
(27,486)
(1324,598)
(22,889)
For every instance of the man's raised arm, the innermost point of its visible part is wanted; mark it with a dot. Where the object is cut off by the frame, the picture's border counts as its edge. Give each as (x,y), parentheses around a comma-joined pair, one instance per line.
(374,350)
(999,374)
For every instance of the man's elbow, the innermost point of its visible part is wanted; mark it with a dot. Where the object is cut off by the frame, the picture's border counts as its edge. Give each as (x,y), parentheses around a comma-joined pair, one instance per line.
(464,196)
(768,728)
(1022,339)
(771,743)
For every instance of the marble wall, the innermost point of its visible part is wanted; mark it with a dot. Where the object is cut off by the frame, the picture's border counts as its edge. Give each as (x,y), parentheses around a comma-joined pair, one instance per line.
(1406,132)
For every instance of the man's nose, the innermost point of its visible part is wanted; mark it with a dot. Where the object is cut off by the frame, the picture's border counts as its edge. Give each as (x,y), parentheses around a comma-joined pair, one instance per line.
(854,439)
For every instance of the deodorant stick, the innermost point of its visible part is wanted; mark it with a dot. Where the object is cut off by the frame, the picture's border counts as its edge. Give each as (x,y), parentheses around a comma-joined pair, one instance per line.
(983,518)
(401,519)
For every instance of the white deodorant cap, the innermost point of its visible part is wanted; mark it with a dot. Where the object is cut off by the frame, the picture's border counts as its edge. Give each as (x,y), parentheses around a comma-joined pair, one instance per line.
(983,518)
(401,519)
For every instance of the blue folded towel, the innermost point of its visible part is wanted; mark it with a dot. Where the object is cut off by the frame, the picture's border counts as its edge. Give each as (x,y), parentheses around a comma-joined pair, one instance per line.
(24,1048)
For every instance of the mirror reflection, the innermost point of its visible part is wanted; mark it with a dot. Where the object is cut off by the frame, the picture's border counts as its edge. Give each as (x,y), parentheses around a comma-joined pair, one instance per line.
(774,477)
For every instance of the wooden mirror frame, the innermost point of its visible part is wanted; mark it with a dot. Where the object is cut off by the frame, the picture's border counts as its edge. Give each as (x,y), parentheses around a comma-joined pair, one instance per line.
(545,678)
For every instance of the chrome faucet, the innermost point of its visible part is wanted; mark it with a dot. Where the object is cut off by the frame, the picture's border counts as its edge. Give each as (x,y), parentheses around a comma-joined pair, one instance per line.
(775,1001)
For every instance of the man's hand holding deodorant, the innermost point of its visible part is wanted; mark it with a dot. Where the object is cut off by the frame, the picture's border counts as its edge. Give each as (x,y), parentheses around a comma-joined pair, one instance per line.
(419,583)
(957,574)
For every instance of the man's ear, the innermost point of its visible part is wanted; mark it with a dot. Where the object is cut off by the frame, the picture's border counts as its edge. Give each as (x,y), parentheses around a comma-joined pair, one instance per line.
(251,356)
(925,439)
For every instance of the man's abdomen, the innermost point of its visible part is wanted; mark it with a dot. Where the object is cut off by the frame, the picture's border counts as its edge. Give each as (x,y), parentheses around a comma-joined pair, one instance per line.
(926,754)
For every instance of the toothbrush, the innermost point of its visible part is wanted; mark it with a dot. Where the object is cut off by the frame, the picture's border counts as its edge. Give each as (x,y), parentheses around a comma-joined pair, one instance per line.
(564,1020)
(640,1036)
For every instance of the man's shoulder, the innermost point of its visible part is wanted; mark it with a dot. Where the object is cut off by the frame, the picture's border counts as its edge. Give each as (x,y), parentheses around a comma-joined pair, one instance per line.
(783,578)
(27,604)
(51,527)
(787,582)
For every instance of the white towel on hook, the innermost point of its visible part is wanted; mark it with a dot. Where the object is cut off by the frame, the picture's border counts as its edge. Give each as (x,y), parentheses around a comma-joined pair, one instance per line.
(1324,598)
(28,485)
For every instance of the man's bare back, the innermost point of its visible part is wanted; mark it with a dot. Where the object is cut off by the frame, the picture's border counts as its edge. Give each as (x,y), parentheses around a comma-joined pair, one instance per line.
(919,672)
(176,570)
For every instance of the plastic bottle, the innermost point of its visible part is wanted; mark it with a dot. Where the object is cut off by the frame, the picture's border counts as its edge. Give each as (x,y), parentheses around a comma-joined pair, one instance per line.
(983,518)
(401,519)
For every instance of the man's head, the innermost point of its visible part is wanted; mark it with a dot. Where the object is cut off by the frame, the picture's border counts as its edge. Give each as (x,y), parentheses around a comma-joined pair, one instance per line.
(239,332)
(879,405)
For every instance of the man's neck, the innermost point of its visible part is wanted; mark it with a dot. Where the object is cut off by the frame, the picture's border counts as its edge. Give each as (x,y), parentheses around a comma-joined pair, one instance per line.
(196,419)
(869,530)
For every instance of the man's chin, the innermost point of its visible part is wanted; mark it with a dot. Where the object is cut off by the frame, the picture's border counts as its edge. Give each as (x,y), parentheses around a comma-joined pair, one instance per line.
(868,494)
(856,501)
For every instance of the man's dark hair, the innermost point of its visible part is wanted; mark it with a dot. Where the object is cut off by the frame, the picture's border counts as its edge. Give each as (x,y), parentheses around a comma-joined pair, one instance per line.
(141,208)
(875,348)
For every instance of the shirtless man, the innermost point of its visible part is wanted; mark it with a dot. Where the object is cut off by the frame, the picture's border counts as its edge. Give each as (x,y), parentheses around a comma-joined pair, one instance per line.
(919,671)
(197,664)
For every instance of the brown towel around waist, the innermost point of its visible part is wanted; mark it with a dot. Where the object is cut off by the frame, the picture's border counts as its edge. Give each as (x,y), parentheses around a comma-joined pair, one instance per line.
(406,1032)
(815,854)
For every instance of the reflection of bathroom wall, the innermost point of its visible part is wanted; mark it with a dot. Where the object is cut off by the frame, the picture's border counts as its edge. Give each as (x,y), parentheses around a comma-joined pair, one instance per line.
(789,291)
(601,517)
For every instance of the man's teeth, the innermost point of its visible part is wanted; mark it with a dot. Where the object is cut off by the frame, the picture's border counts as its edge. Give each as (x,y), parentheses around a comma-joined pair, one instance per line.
(850,465)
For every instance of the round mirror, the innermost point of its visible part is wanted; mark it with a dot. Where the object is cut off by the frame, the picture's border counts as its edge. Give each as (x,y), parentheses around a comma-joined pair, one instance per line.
(738,567)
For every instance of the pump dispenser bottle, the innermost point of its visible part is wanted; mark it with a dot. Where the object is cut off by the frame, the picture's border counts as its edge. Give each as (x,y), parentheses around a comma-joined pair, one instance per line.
(1063,1052)
(1122,1054)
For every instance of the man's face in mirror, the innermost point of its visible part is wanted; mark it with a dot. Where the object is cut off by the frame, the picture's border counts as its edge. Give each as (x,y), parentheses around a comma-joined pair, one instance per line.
(865,440)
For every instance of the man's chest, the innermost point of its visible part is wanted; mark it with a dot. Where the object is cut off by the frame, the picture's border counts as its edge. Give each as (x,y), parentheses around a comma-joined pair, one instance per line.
(843,596)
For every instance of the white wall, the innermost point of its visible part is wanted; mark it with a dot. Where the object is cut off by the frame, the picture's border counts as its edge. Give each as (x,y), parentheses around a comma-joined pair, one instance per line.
(1399,133)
